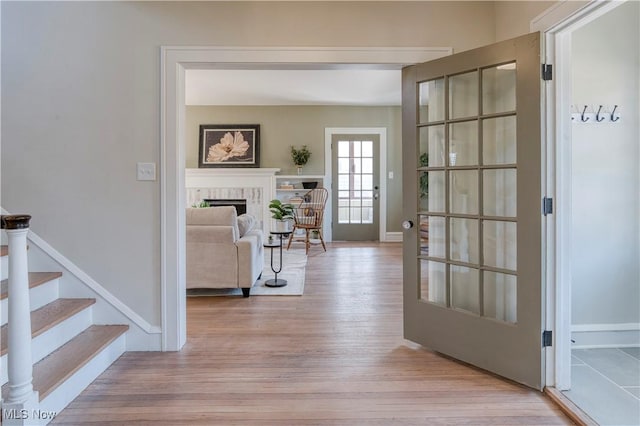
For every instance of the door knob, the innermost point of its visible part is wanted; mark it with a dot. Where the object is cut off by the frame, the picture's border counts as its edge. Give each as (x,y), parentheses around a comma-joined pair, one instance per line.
(407,224)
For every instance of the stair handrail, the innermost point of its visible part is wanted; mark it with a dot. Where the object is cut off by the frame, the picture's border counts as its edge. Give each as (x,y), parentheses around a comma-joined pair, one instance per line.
(21,398)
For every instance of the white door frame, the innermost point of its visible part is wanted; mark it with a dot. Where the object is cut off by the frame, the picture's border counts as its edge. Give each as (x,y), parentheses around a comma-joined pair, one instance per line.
(173,63)
(557,25)
(328,160)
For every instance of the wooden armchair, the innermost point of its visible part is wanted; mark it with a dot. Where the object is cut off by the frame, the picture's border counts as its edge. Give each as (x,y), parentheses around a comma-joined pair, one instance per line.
(308,215)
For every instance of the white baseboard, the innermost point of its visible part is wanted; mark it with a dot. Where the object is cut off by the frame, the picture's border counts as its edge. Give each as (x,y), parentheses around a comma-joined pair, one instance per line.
(393,237)
(588,336)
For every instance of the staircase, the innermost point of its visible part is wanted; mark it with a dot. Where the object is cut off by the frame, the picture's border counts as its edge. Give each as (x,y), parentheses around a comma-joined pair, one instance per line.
(68,350)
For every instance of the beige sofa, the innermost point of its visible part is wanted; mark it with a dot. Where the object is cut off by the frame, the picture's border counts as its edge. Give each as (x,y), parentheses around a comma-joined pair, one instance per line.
(221,254)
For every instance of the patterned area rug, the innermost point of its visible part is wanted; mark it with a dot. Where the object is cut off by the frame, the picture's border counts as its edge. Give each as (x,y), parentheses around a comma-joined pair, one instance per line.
(293,270)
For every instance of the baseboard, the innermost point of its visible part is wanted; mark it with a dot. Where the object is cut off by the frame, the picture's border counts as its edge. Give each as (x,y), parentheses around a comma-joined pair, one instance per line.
(393,237)
(588,336)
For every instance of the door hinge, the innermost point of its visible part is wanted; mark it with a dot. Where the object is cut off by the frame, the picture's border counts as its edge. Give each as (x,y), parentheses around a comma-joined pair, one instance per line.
(547,205)
(547,338)
(547,72)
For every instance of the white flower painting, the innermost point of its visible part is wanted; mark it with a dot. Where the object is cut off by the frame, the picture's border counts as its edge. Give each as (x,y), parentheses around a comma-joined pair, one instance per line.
(229,145)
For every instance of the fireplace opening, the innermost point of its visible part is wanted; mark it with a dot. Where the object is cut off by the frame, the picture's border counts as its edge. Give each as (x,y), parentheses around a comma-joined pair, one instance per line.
(240,205)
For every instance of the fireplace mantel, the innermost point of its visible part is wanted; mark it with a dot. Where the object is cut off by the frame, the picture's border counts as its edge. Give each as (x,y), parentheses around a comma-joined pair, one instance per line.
(257,185)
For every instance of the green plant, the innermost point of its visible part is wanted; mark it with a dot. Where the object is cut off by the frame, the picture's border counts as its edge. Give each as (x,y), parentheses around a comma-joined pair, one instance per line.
(201,204)
(300,156)
(280,210)
(424,177)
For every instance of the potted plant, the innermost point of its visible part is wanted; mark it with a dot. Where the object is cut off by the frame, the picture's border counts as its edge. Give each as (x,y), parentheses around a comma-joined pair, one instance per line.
(282,213)
(300,157)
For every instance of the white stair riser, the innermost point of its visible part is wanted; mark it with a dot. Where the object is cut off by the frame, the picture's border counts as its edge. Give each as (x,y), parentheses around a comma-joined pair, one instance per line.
(4,267)
(72,387)
(39,296)
(52,339)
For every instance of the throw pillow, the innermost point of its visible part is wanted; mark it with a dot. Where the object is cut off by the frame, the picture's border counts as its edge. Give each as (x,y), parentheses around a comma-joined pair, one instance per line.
(246,223)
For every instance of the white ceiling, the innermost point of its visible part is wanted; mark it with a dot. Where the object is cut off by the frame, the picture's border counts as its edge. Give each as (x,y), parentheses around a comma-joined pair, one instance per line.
(370,87)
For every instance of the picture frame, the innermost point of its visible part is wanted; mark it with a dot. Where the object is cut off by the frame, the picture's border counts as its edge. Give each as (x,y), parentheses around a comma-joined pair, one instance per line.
(229,145)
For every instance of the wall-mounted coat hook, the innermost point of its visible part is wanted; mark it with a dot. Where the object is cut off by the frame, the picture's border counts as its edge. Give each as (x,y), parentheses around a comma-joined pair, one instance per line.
(613,114)
(599,117)
(583,117)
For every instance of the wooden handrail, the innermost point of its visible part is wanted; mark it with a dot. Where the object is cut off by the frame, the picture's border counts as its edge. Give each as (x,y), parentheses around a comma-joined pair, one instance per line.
(15,221)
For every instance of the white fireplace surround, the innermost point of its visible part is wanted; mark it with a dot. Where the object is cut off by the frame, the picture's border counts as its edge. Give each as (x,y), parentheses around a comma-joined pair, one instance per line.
(256,185)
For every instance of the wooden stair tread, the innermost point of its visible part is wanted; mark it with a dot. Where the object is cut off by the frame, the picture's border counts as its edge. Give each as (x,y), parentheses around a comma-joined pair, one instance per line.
(61,364)
(4,250)
(35,279)
(48,316)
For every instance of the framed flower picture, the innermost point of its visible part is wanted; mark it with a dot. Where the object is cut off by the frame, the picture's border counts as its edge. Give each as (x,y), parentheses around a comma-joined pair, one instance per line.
(229,145)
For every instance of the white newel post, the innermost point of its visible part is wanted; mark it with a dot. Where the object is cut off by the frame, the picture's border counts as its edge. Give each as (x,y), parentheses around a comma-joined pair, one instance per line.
(21,404)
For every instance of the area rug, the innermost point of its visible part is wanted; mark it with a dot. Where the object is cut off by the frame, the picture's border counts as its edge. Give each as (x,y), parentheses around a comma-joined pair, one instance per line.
(293,270)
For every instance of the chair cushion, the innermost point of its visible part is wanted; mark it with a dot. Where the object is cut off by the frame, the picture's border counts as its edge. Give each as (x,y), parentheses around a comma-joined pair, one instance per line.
(246,223)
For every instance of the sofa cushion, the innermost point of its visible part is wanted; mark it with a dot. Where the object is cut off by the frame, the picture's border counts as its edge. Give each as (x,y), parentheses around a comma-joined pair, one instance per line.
(246,223)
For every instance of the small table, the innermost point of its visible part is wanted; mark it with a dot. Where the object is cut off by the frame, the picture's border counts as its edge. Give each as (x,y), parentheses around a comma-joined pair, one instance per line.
(276,282)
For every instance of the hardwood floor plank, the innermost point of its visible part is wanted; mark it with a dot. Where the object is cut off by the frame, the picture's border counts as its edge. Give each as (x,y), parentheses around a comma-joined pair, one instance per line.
(334,356)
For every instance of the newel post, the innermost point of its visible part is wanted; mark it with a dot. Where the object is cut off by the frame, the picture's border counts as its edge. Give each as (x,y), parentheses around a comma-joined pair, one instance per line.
(22,401)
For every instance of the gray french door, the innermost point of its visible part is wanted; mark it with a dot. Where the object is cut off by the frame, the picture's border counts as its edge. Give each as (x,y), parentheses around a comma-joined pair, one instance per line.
(356,205)
(472,204)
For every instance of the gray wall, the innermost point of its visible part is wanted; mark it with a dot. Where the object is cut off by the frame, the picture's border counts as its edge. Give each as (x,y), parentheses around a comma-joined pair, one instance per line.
(606,171)
(283,126)
(81,105)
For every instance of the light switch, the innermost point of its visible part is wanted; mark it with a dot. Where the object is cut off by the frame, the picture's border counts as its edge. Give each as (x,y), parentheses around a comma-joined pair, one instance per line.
(146,171)
(390,175)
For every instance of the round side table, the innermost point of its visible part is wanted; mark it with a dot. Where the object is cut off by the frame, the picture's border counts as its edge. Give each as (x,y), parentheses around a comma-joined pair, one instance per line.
(276,282)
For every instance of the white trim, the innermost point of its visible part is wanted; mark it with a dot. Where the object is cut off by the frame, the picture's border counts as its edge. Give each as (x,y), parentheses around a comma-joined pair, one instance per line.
(631,326)
(557,23)
(394,237)
(328,160)
(589,336)
(173,62)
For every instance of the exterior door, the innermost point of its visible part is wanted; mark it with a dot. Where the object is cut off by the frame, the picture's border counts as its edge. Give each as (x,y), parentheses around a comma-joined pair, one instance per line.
(472,198)
(355,187)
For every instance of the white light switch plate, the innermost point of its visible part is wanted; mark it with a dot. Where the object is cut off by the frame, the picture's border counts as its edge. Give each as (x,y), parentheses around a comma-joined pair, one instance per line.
(146,171)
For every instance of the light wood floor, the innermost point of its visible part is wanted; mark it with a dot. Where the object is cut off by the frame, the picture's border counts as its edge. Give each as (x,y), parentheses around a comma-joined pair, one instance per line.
(334,356)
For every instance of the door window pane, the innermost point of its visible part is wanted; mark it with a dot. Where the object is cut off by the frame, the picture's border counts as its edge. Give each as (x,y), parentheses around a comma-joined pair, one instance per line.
(432,236)
(357,148)
(431,101)
(500,192)
(367,149)
(367,182)
(431,146)
(463,185)
(499,247)
(499,88)
(465,289)
(431,191)
(344,165)
(343,148)
(343,183)
(463,143)
(433,286)
(499,140)
(464,240)
(500,296)
(463,95)
(367,165)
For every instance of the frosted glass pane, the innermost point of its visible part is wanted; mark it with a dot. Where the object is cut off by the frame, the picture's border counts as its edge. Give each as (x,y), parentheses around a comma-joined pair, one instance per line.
(367,215)
(464,240)
(367,195)
(343,182)
(343,203)
(367,149)
(357,148)
(343,215)
(355,215)
(500,248)
(463,95)
(499,89)
(366,202)
(463,187)
(356,195)
(343,148)
(431,191)
(465,289)
(433,287)
(463,143)
(343,165)
(499,141)
(432,236)
(431,143)
(500,192)
(367,182)
(357,168)
(357,182)
(501,296)
(431,101)
(343,194)
(367,165)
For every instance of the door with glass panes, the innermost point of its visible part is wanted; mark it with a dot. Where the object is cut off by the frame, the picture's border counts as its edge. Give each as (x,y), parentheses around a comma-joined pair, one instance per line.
(355,202)
(472,197)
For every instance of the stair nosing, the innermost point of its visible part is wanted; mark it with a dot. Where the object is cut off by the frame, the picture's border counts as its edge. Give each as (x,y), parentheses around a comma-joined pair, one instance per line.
(35,279)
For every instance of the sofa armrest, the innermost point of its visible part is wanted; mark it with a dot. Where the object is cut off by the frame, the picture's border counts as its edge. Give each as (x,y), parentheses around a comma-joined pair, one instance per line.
(250,258)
